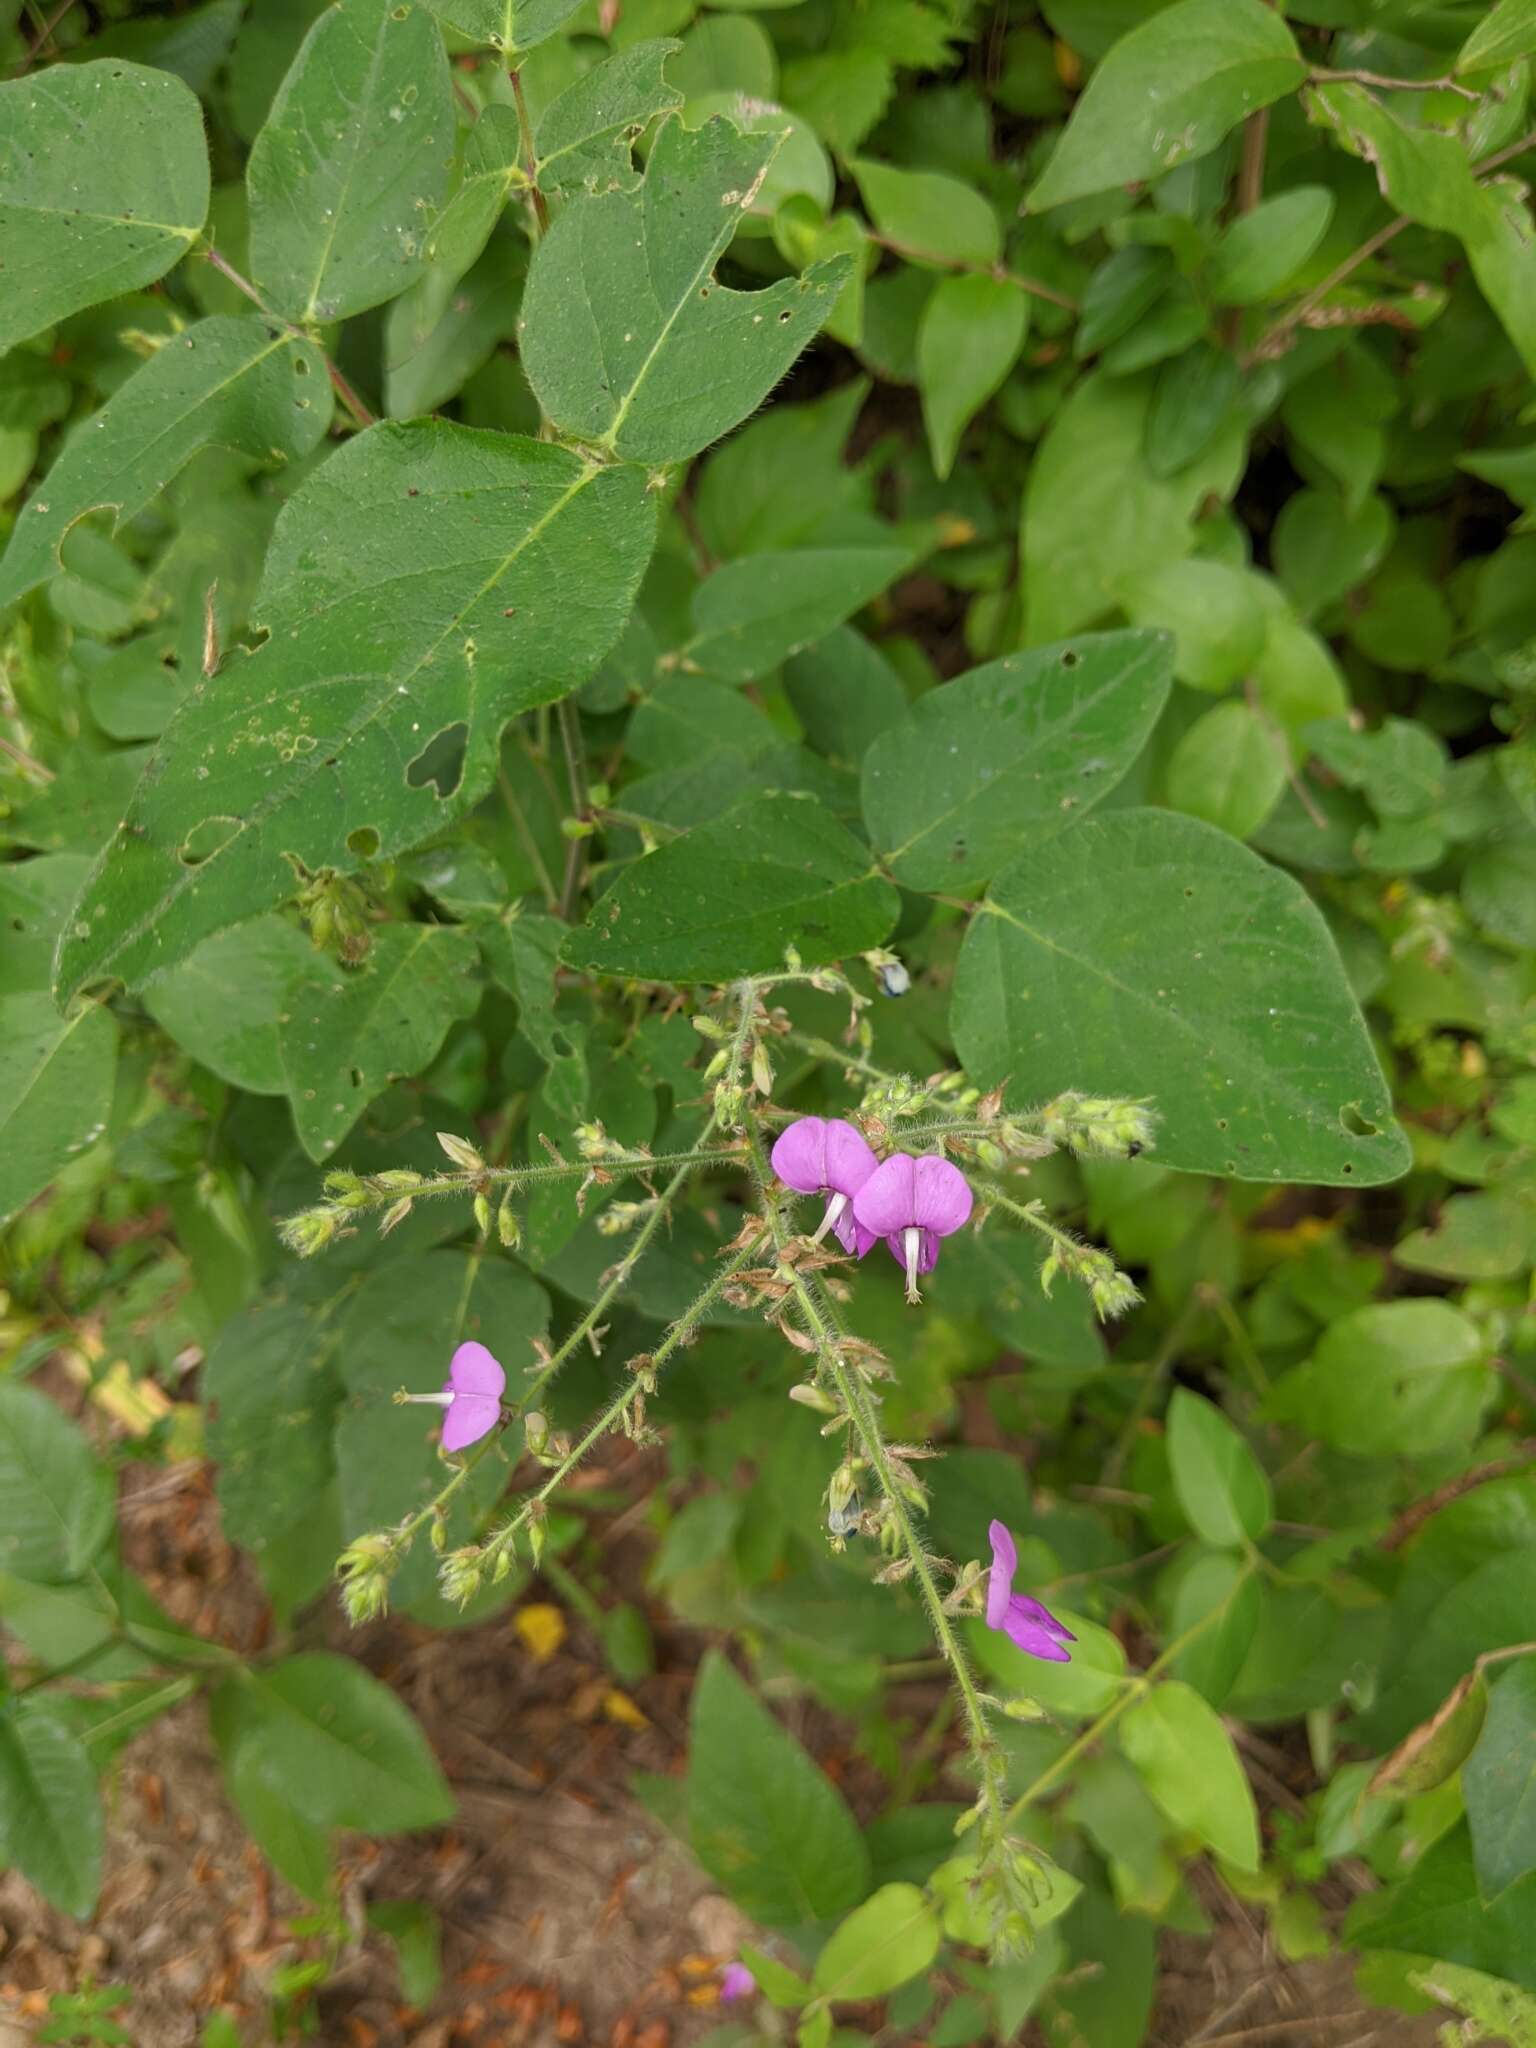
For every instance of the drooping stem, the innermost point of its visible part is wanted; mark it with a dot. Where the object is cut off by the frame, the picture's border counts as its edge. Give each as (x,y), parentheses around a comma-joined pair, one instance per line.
(530,160)
(339,384)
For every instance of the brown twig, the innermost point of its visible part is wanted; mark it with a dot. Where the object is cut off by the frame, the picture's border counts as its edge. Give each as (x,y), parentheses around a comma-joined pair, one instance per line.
(1032,285)
(1418,1512)
(1390,84)
(1277,340)
(339,384)
(24,760)
(531,162)
(43,37)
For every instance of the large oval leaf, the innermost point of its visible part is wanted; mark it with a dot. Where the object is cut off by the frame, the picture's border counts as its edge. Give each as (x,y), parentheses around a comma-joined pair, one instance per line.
(727,899)
(103,186)
(56,1076)
(1147,954)
(429,582)
(50,1812)
(1010,755)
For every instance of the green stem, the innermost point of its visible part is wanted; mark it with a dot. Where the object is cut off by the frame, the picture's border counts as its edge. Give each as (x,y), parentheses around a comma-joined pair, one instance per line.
(530,160)
(481,1179)
(1133,1690)
(820,1327)
(581,802)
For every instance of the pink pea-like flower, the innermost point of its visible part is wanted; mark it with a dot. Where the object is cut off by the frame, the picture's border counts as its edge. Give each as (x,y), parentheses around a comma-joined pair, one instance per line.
(826,1156)
(912,1204)
(736,1981)
(1027,1623)
(471,1395)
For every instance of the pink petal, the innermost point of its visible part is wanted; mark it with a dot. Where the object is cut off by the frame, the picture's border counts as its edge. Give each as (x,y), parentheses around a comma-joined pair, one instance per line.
(852,1235)
(849,1160)
(942,1197)
(1033,1637)
(799,1155)
(472,1370)
(471,1417)
(1005,1562)
(885,1203)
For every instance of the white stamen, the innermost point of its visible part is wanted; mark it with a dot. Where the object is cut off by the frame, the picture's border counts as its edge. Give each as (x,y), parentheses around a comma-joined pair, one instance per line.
(835,1209)
(912,1245)
(424,1400)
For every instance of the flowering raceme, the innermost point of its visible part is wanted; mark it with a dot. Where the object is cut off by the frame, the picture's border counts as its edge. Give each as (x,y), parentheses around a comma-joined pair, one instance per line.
(826,1156)
(912,1204)
(1027,1623)
(471,1395)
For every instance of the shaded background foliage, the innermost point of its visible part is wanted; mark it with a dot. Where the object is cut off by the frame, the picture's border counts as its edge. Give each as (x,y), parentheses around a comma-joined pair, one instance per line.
(1123,611)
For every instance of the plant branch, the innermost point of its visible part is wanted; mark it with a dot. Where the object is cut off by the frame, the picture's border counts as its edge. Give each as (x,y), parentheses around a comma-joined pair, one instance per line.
(339,384)
(530,161)
(43,37)
(1417,1513)
(1390,84)
(569,721)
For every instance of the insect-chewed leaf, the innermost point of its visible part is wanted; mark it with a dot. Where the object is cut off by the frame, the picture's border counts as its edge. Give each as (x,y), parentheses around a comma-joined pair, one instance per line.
(103,184)
(584,136)
(424,586)
(628,341)
(353,161)
(511,26)
(246,384)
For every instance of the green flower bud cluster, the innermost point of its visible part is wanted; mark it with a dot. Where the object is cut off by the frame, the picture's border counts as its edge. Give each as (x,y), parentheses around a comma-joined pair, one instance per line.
(1098,1126)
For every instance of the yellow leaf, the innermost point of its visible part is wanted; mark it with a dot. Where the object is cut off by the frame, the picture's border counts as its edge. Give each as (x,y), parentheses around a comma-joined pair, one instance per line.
(542,1628)
(618,1706)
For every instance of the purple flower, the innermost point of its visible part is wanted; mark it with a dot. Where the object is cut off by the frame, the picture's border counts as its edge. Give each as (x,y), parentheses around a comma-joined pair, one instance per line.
(1027,1623)
(912,1203)
(825,1156)
(736,1980)
(471,1395)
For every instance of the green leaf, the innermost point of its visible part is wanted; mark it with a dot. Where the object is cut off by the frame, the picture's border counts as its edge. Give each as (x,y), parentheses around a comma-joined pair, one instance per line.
(416,1931)
(727,898)
(1228,768)
(891,1938)
(1222,1487)
(1401,1378)
(1169,91)
(346,1033)
(1473,1237)
(103,187)
(1435,1751)
(1007,757)
(271,1389)
(353,161)
(222,1003)
(1215,613)
(1147,954)
(1435,1910)
(491,169)
(1261,251)
(35,896)
(243,384)
(56,1502)
(297,1848)
(480,574)
(584,138)
(56,1076)
(339,1746)
(968,339)
(753,614)
(772,1831)
(1194,395)
(845,694)
(1507,31)
(1095,512)
(1499,890)
(1187,1763)
(1218,1602)
(511,26)
(1322,550)
(50,1812)
(1426,174)
(928,214)
(627,340)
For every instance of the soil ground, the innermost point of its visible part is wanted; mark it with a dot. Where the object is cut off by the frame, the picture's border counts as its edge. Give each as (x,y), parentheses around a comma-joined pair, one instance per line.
(569,1916)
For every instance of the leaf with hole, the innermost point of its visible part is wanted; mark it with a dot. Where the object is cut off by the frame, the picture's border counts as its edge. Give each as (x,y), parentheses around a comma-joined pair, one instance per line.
(247,385)
(423,587)
(586,136)
(353,161)
(1010,755)
(628,340)
(1149,954)
(103,187)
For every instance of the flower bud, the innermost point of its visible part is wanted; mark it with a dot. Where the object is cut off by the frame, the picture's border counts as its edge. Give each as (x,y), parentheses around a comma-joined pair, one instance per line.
(844,1507)
(461,1152)
(536,1431)
(395,1180)
(509,1231)
(712,1029)
(809,1395)
(730,1100)
(482,1209)
(461,1574)
(395,1215)
(310,1231)
(346,1190)
(762,1070)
